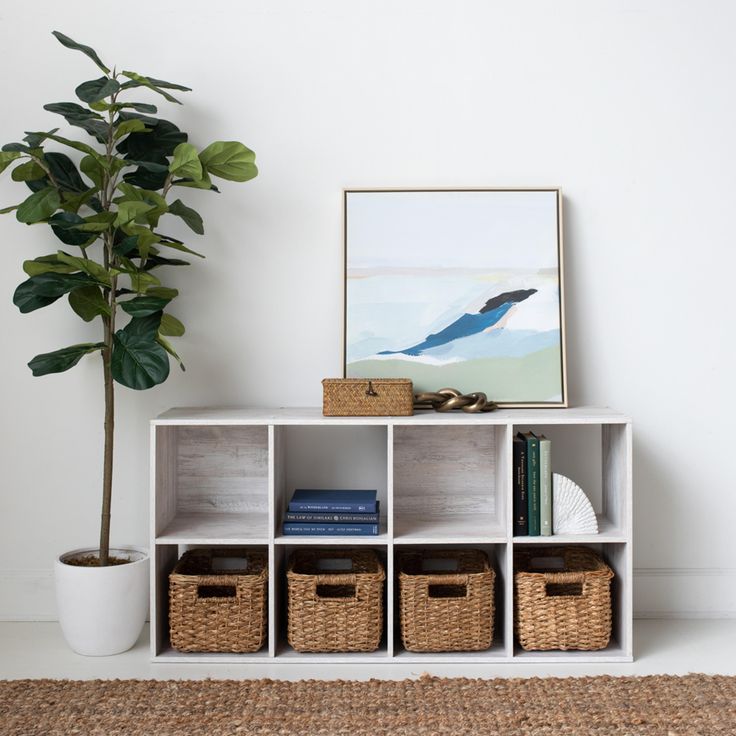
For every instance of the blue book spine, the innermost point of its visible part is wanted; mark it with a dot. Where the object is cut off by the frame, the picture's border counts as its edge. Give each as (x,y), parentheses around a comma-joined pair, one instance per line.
(330,530)
(322,517)
(333,501)
(332,508)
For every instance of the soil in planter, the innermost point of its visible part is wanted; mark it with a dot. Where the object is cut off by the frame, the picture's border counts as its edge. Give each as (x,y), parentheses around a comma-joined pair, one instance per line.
(92,561)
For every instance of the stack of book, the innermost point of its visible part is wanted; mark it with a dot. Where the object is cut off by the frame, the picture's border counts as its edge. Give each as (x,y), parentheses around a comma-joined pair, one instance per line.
(532,485)
(332,513)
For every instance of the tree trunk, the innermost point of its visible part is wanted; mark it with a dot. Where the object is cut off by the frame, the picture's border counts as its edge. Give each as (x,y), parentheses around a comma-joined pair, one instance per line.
(109,434)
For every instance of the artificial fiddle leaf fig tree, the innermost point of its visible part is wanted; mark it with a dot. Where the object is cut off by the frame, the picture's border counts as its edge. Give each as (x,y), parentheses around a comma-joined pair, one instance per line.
(108,203)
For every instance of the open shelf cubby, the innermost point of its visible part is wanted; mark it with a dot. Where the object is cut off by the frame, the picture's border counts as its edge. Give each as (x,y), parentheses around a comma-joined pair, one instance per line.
(225,476)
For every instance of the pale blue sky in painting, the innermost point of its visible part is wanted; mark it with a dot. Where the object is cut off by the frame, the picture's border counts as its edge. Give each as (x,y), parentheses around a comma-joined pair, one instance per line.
(477,230)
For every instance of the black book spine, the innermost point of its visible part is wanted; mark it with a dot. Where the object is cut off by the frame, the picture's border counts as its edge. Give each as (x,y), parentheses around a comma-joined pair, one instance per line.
(521,503)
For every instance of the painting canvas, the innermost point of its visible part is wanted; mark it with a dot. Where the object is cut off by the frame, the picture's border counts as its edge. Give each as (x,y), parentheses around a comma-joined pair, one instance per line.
(459,288)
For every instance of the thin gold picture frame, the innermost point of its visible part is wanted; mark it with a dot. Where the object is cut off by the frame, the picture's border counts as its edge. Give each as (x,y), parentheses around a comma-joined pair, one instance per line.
(563,403)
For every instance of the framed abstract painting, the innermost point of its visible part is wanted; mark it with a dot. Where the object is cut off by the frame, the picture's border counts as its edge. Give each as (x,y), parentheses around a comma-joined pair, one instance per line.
(459,288)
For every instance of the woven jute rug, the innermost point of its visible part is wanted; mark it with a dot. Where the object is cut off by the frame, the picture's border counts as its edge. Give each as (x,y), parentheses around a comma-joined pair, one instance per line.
(631,706)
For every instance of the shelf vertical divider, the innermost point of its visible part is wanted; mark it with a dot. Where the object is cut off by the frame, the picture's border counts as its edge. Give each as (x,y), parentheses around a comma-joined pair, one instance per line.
(390,576)
(276,492)
(153,613)
(163,479)
(271,536)
(506,476)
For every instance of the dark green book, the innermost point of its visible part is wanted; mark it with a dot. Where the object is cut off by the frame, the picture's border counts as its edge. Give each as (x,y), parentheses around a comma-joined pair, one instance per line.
(545,486)
(533,486)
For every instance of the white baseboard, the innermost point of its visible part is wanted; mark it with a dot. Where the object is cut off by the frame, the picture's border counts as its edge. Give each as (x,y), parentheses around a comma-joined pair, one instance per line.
(668,593)
(685,592)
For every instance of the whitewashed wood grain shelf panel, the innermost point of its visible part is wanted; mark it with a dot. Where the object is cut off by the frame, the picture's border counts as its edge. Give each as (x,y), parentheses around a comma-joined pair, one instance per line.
(225,476)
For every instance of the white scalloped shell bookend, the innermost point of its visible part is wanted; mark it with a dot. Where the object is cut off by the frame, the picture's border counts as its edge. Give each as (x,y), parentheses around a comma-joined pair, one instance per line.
(572,512)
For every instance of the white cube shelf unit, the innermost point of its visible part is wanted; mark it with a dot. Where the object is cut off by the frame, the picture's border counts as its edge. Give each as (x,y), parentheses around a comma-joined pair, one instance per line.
(223,477)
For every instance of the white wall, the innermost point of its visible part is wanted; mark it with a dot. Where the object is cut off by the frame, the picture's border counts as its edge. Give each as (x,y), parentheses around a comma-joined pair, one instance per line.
(628,106)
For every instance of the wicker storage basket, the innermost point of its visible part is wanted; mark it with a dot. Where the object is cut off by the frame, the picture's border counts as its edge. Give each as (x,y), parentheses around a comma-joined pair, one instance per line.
(218,611)
(361,397)
(565,606)
(449,609)
(331,610)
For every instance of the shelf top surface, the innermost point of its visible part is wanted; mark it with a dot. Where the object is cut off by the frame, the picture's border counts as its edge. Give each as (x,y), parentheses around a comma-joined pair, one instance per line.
(313,415)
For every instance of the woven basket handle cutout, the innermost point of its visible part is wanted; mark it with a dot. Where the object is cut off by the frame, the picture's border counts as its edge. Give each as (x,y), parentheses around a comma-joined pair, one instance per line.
(565,584)
(447,590)
(447,586)
(217,591)
(336,592)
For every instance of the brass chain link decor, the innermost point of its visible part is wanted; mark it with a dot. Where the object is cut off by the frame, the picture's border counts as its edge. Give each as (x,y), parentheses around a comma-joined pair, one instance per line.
(447,399)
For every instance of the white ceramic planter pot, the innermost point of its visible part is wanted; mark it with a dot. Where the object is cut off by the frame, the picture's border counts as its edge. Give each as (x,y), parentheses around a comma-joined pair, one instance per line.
(102,609)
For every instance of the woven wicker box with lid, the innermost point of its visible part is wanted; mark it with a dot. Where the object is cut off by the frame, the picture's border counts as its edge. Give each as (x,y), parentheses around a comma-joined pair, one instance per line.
(364,397)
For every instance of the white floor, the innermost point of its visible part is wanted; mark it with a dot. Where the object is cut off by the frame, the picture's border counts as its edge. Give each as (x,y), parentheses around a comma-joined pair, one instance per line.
(33,650)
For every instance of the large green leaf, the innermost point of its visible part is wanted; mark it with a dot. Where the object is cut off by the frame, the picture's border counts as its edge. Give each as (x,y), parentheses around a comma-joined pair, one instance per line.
(97,89)
(146,238)
(34,140)
(171,326)
(141,281)
(123,246)
(158,143)
(157,85)
(29,171)
(191,217)
(154,261)
(70,108)
(91,168)
(138,362)
(97,223)
(130,126)
(6,158)
(155,166)
(186,162)
(23,148)
(88,302)
(146,179)
(143,306)
(47,264)
(150,122)
(168,85)
(65,172)
(204,183)
(129,211)
(144,326)
(229,160)
(38,184)
(64,359)
(39,206)
(87,50)
(77,145)
(177,245)
(139,106)
(81,117)
(71,202)
(93,269)
(64,225)
(169,348)
(45,288)
(95,128)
